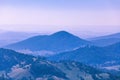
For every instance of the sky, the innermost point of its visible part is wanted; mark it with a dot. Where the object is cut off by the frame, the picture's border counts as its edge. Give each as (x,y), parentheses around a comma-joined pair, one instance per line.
(102,16)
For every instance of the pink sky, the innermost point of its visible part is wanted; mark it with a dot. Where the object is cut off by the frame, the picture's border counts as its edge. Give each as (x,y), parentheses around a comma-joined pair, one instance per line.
(94,15)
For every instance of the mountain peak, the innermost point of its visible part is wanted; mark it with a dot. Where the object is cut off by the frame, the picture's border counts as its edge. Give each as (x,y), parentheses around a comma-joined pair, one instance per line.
(62,33)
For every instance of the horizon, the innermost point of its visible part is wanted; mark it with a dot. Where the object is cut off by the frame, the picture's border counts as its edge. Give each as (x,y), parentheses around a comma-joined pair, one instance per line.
(84,34)
(49,16)
(59,39)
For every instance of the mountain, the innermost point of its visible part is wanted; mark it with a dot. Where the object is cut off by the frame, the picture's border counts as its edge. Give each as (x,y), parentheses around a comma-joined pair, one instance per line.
(9,37)
(25,67)
(114,47)
(106,40)
(8,58)
(91,55)
(58,42)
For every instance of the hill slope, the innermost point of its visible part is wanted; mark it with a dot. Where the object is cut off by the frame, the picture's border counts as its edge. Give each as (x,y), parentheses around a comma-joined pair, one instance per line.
(25,67)
(91,55)
(114,47)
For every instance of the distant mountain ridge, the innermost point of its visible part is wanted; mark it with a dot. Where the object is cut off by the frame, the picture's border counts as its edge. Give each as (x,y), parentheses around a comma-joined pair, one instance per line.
(115,35)
(58,42)
(106,40)
(9,37)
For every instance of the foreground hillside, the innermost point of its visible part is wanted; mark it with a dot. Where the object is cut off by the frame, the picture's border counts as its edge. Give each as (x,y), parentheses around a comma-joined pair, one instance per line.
(92,55)
(17,66)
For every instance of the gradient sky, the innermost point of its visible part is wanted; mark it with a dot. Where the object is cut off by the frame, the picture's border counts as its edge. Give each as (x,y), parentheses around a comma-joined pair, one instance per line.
(53,15)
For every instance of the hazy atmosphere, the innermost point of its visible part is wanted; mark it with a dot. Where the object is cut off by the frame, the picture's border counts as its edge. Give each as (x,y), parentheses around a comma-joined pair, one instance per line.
(59,39)
(88,16)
